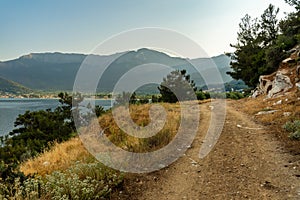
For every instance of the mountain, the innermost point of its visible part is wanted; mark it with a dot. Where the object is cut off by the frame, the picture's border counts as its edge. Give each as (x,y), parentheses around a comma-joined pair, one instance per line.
(43,71)
(204,65)
(10,87)
(57,71)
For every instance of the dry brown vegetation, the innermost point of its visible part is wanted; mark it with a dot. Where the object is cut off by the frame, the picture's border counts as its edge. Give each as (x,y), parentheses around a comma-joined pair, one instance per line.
(247,162)
(59,157)
(62,156)
(140,115)
(287,110)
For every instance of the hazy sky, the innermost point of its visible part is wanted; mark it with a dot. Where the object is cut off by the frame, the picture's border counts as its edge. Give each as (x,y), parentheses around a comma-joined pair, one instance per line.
(78,26)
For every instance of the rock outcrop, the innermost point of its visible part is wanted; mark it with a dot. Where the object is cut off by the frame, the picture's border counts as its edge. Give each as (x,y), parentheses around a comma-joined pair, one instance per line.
(280,82)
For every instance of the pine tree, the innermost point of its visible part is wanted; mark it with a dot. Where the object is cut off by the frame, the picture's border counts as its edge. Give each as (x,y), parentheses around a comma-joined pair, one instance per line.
(177,86)
(254,47)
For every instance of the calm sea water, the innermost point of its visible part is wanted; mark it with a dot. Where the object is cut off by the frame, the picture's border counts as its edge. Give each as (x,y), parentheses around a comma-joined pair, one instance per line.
(11,108)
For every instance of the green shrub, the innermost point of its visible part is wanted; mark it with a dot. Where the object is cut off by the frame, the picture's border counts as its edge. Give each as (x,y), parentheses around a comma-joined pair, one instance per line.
(295,135)
(21,190)
(234,95)
(200,95)
(80,182)
(293,128)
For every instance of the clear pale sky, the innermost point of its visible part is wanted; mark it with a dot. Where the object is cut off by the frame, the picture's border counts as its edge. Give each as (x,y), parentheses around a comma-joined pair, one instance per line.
(78,26)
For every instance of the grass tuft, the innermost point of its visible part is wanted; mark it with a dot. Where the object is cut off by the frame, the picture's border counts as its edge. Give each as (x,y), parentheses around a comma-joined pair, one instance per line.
(59,157)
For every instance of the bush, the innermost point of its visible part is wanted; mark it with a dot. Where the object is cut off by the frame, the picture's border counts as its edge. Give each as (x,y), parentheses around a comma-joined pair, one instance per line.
(294,129)
(36,131)
(200,95)
(82,181)
(234,95)
(21,190)
(295,135)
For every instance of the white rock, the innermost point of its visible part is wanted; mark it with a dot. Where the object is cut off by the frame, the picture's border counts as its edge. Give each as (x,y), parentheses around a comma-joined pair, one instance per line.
(278,103)
(288,60)
(256,93)
(161,165)
(287,114)
(275,83)
(266,112)
(46,163)
(281,83)
(298,86)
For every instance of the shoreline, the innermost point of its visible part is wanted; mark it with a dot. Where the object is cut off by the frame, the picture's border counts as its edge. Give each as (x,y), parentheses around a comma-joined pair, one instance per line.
(19,98)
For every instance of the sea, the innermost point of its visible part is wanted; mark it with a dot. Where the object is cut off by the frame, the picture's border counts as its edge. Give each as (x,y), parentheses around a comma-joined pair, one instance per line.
(10,108)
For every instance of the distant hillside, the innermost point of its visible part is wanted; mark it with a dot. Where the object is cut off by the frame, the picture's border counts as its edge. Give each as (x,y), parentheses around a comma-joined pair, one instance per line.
(11,87)
(57,71)
(45,71)
(204,65)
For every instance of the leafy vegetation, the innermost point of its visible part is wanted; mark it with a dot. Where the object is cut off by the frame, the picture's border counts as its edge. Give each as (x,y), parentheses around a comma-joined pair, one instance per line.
(59,176)
(293,128)
(262,43)
(36,131)
(234,95)
(202,95)
(177,85)
(10,87)
(81,181)
(66,171)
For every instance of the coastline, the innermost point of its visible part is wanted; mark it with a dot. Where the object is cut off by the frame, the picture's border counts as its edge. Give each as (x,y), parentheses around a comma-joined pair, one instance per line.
(12,107)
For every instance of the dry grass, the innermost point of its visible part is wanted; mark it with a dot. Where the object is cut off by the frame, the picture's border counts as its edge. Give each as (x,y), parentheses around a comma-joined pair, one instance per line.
(252,106)
(289,104)
(288,110)
(62,156)
(140,115)
(59,157)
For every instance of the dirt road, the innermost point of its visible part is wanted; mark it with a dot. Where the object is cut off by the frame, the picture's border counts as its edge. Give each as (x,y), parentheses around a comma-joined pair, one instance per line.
(246,163)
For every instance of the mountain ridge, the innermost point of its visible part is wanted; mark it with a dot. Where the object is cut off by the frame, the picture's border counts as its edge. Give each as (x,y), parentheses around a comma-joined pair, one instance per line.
(57,71)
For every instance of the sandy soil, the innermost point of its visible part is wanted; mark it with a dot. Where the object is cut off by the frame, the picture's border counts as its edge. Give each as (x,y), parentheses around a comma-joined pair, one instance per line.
(246,163)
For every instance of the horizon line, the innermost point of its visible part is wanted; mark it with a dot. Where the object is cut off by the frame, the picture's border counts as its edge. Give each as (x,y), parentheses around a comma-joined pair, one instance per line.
(88,54)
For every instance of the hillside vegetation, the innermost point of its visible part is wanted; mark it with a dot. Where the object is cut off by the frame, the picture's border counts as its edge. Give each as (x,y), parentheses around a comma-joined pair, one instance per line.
(45,159)
(73,169)
(10,87)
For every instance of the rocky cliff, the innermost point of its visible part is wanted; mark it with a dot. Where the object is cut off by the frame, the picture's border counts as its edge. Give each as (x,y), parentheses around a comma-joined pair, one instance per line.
(285,80)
